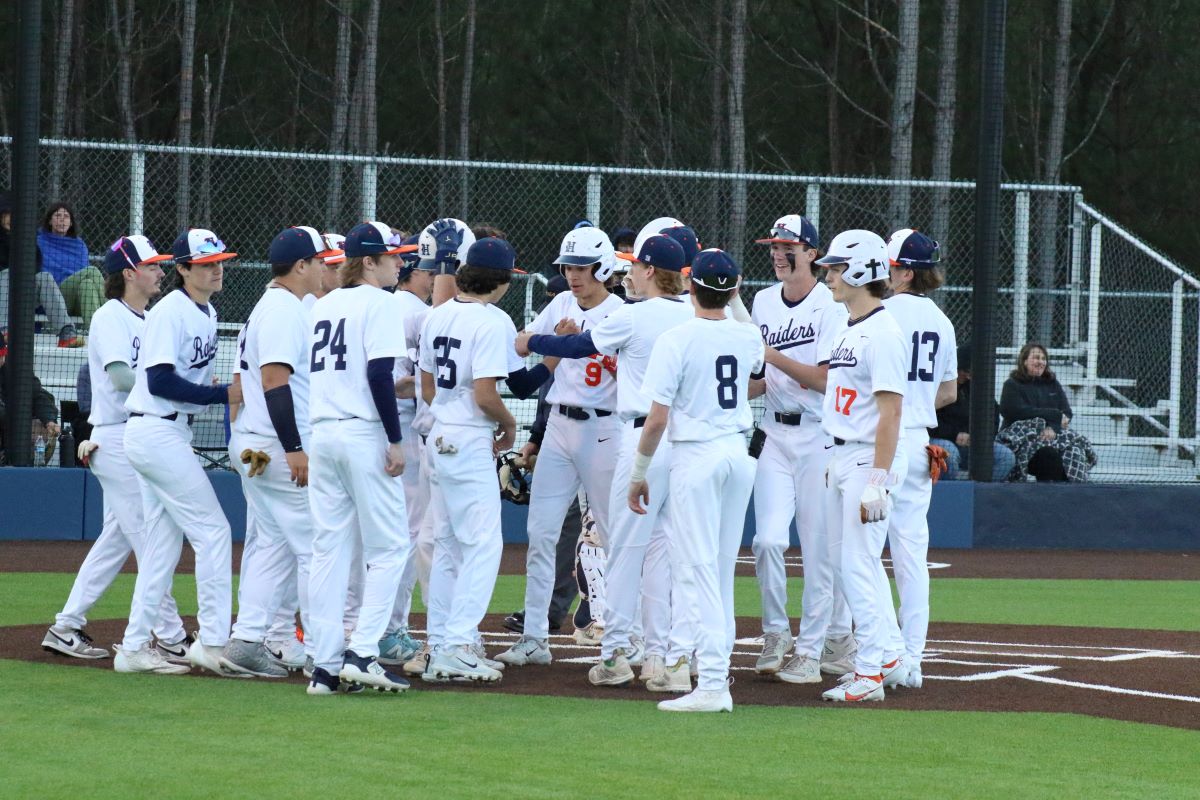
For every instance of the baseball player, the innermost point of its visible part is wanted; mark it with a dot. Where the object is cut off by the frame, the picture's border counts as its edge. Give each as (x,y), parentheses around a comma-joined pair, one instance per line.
(412,296)
(175,380)
(582,437)
(798,318)
(862,412)
(637,565)
(932,376)
(274,364)
(466,349)
(114,343)
(698,383)
(356,454)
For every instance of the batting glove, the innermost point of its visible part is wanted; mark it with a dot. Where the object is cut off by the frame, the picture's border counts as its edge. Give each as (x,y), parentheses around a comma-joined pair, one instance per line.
(448,238)
(873,505)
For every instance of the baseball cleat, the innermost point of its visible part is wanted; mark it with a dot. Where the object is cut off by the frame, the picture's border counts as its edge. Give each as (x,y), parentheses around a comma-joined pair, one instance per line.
(589,636)
(146,660)
(367,671)
(309,668)
(525,651)
(460,664)
(73,642)
(479,650)
(250,658)
(397,648)
(894,673)
(652,667)
(322,683)
(614,671)
(837,657)
(208,656)
(800,669)
(416,665)
(914,679)
(288,653)
(175,652)
(703,700)
(674,678)
(776,645)
(863,688)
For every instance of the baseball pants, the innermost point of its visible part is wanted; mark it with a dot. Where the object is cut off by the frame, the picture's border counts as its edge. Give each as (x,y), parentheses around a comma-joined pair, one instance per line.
(638,567)
(908,541)
(282,544)
(177,500)
(123,532)
(283,625)
(711,483)
(574,453)
(790,484)
(468,543)
(352,500)
(420,555)
(860,567)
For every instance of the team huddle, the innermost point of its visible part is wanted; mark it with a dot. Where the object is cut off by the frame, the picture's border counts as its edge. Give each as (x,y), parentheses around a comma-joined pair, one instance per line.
(367,415)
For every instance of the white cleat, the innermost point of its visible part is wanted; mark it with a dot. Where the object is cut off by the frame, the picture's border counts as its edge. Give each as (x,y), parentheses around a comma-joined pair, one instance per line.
(146,660)
(837,657)
(460,665)
(673,678)
(525,651)
(208,656)
(652,667)
(701,700)
(860,690)
(914,679)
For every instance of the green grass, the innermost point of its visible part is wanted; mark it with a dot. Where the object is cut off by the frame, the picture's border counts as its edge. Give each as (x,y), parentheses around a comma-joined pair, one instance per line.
(32,597)
(73,733)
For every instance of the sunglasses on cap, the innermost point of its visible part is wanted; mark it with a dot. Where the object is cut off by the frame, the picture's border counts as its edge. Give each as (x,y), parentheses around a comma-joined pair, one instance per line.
(211,246)
(786,235)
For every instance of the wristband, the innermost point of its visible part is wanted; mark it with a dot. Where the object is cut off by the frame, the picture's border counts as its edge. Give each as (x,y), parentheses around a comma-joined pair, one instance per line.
(641,463)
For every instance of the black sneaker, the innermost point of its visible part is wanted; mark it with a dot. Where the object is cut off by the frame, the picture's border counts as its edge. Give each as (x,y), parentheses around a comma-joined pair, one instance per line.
(515,622)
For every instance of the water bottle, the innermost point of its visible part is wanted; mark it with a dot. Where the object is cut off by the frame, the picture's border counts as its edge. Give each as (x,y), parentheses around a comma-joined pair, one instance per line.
(39,452)
(66,447)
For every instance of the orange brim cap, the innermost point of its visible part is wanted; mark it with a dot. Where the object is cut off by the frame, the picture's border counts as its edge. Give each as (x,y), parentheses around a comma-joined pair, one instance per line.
(627,256)
(211,259)
(156,259)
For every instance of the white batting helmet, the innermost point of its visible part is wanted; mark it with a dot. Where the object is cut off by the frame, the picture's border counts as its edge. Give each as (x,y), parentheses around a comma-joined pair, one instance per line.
(427,245)
(583,247)
(864,254)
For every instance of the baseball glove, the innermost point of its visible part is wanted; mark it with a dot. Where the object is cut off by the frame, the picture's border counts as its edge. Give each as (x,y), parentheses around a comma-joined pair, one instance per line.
(257,460)
(514,484)
(937,461)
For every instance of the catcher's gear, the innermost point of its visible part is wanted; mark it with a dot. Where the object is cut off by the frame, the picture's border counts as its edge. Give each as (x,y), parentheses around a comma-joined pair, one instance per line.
(514,484)
(590,561)
(937,461)
(864,253)
(85,450)
(257,460)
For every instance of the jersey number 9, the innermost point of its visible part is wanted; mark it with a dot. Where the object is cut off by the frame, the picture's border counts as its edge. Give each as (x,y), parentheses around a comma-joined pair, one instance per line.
(336,344)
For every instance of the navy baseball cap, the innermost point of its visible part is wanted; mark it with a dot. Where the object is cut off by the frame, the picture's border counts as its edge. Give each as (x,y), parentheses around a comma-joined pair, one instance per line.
(299,243)
(913,249)
(792,229)
(715,269)
(199,246)
(373,239)
(410,258)
(492,253)
(687,240)
(661,252)
(131,252)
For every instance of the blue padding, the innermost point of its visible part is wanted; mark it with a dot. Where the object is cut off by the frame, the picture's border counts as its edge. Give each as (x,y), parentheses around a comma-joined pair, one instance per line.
(1087,516)
(41,503)
(228,486)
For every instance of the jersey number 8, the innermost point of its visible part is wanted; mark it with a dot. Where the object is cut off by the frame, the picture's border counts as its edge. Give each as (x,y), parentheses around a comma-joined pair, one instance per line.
(726,381)
(336,344)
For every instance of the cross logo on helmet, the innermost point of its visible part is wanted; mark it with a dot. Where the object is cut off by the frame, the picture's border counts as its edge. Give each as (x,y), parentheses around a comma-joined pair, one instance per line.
(874,267)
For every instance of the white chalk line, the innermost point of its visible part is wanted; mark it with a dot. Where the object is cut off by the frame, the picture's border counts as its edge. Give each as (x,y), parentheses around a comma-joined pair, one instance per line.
(798,561)
(1099,687)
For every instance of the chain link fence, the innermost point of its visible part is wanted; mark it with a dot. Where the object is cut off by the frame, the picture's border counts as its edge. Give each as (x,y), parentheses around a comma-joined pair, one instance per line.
(1119,320)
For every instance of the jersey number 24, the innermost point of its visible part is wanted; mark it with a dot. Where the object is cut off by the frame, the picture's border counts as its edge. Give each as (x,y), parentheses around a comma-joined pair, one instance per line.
(333,337)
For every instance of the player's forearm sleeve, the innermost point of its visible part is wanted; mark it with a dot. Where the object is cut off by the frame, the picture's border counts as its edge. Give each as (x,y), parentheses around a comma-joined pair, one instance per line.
(524,382)
(577,345)
(282,410)
(121,376)
(163,381)
(383,392)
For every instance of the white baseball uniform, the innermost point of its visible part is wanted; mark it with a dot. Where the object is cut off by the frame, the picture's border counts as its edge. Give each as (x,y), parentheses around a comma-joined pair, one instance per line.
(638,563)
(790,479)
(580,448)
(177,498)
(701,370)
(868,357)
(933,359)
(352,498)
(463,341)
(416,482)
(277,332)
(114,337)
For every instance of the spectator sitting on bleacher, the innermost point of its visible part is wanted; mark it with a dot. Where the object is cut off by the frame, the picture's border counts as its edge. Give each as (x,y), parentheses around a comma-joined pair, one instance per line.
(65,258)
(953,432)
(1037,416)
(48,295)
(45,410)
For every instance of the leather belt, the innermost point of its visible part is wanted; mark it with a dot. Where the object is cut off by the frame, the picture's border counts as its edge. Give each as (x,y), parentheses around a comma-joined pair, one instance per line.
(574,412)
(168,418)
(836,440)
(788,419)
